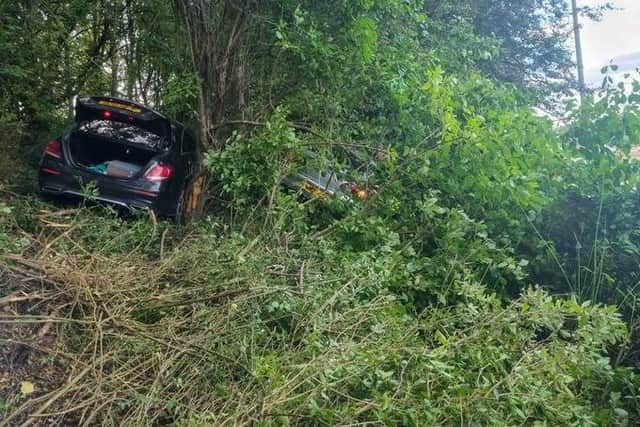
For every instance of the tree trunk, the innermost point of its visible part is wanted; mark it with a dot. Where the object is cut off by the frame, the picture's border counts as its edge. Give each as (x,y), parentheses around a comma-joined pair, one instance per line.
(216,30)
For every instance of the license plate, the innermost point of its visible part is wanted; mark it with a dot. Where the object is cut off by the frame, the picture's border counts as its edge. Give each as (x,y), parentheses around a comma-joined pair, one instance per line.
(313,190)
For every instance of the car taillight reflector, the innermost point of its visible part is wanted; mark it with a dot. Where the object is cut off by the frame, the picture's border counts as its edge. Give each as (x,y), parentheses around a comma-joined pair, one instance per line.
(54,149)
(146,193)
(50,171)
(159,172)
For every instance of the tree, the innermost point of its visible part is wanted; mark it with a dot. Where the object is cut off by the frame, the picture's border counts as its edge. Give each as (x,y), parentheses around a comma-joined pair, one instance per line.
(216,31)
(533,36)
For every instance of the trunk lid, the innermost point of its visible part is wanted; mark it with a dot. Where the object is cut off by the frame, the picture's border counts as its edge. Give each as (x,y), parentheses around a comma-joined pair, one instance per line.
(121,110)
(117,138)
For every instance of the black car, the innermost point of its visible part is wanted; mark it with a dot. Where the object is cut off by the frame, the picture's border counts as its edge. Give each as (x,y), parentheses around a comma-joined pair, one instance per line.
(132,156)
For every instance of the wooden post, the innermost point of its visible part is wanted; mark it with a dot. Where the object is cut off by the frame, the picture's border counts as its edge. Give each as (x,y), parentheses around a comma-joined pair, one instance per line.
(580,63)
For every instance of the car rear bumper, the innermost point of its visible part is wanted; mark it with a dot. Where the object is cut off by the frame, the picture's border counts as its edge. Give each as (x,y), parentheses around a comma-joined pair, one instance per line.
(132,196)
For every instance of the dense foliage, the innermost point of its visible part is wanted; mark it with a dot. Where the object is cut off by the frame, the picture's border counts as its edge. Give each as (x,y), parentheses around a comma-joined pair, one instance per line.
(531,38)
(489,278)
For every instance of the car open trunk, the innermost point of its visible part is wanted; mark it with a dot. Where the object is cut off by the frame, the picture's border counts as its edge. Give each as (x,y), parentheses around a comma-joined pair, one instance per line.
(113,148)
(98,154)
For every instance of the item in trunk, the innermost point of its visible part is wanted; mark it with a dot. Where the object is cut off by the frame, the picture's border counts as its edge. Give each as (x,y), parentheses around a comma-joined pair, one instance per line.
(92,151)
(101,168)
(121,169)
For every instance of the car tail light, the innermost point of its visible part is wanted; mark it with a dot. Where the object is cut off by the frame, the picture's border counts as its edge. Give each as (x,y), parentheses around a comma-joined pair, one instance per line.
(359,192)
(53,149)
(159,172)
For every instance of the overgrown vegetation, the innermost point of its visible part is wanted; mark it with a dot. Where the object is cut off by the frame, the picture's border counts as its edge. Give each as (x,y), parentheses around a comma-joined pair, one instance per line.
(489,278)
(153,326)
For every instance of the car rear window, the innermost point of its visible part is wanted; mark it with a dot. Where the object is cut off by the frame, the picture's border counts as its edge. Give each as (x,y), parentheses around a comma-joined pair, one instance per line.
(124,132)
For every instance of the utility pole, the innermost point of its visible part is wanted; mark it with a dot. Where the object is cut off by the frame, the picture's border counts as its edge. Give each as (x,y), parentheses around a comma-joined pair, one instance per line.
(576,32)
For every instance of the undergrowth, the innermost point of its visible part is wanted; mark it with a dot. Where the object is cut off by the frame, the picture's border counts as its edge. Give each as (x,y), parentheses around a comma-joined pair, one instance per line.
(150,324)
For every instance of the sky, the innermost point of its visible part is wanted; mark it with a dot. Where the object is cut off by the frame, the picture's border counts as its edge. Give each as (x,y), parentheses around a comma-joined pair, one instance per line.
(616,38)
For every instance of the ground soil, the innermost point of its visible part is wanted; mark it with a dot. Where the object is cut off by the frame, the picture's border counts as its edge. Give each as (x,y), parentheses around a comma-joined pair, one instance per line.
(27,353)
